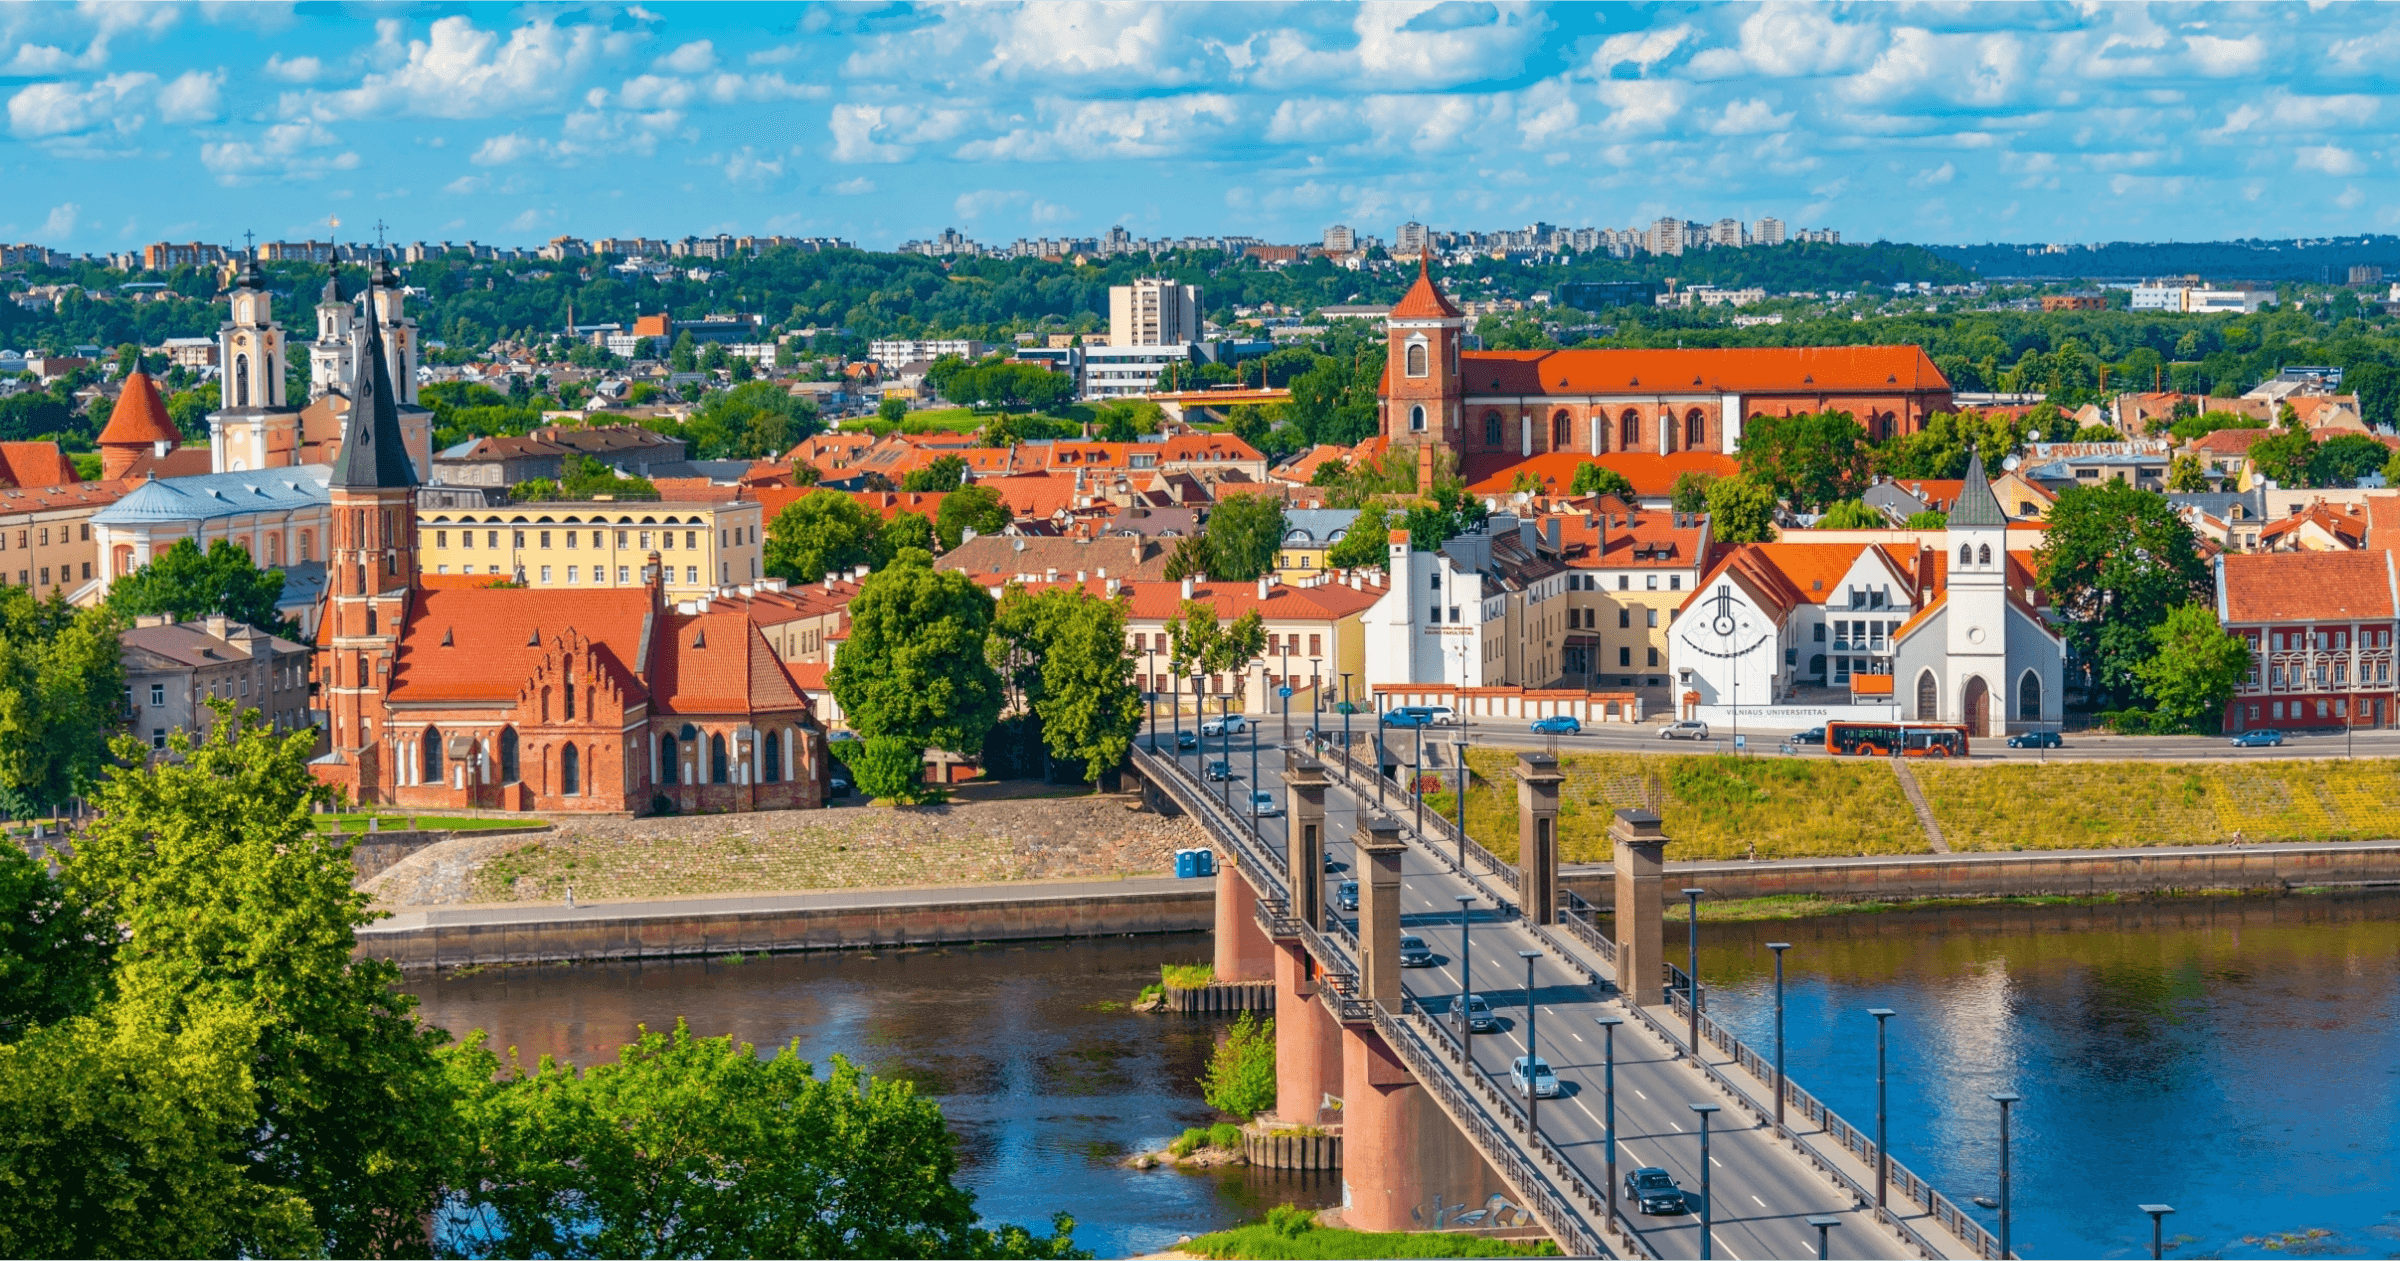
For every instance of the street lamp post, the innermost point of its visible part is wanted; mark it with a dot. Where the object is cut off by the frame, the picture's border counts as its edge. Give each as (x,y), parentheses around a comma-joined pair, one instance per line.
(1346,707)
(2158,1229)
(1283,690)
(1416,775)
(1608,1086)
(1883,1152)
(1466,971)
(1533,1078)
(1225,744)
(1691,976)
(1461,746)
(1823,1224)
(1779,947)
(2004,1098)
(1707,1202)
(1254,770)
(1316,705)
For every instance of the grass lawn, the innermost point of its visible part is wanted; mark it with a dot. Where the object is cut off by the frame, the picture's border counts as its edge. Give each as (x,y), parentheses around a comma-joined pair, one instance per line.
(2100,805)
(1289,1233)
(957,420)
(1712,807)
(433,822)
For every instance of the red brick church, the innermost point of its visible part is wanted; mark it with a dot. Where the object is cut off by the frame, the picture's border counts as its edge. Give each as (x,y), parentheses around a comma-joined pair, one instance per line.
(608,701)
(1495,407)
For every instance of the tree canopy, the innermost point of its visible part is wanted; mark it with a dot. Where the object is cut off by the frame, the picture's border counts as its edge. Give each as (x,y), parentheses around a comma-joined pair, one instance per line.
(190,584)
(62,684)
(821,532)
(2114,562)
(1072,672)
(1245,532)
(2194,667)
(977,508)
(914,673)
(1810,459)
(1741,510)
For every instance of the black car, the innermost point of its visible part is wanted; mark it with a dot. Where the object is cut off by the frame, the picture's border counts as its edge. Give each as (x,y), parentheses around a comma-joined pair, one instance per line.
(1220,769)
(1414,953)
(1346,896)
(1814,735)
(1654,1190)
(2036,740)
(1187,739)
(838,785)
(1479,1014)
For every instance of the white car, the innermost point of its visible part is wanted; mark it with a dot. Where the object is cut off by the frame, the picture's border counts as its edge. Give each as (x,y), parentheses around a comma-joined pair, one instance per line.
(1262,804)
(1684,731)
(1234,724)
(1538,1076)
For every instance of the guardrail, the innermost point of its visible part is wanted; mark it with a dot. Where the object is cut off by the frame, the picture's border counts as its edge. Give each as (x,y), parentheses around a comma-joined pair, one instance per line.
(1581,920)
(1351,771)
(1257,861)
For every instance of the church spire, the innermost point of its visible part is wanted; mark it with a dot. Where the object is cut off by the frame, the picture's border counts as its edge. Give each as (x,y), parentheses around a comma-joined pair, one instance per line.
(1977,505)
(374,454)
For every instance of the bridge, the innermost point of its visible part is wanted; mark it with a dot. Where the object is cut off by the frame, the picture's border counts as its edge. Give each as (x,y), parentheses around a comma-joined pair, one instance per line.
(1426,1108)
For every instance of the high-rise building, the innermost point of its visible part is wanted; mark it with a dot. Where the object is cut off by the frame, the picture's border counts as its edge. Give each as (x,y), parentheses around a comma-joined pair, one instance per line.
(1728,234)
(1154,311)
(1340,239)
(1768,232)
(1410,240)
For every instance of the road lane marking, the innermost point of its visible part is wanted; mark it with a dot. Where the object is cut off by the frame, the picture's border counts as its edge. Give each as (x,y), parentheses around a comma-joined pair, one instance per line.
(1720,1239)
(1645,1098)
(1759,1202)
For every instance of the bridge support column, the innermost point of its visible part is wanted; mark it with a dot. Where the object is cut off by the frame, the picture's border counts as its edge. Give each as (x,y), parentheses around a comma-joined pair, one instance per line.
(1243,952)
(1641,860)
(1383,1179)
(1308,1041)
(1304,858)
(1537,836)
(1378,846)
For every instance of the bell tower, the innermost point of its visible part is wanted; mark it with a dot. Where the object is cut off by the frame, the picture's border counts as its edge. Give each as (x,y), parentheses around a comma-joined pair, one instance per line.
(1977,540)
(371,566)
(255,427)
(1424,393)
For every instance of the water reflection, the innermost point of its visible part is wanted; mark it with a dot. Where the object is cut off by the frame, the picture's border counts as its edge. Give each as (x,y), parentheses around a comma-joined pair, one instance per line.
(2237,1058)
(1045,1087)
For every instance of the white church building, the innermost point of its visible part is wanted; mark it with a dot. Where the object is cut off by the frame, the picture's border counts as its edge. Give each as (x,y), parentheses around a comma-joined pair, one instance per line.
(1793,634)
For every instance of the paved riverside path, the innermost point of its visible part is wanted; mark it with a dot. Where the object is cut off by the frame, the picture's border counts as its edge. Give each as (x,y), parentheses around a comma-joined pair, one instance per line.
(1764,1190)
(413,917)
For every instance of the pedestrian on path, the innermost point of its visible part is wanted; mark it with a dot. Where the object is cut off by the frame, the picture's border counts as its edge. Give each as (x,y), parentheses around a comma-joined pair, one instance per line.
(570,897)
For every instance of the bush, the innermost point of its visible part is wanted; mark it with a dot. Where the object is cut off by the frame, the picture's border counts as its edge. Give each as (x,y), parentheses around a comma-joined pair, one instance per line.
(1290,1220)
(1241,1075)
(892,768)
(1187,976)
(1188,1142)
(1226,1135)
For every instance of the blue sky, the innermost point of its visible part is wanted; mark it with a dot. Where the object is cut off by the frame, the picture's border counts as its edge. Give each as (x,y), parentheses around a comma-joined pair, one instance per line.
(512,123)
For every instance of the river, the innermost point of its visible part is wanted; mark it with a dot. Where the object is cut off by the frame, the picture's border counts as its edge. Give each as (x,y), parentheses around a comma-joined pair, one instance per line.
(1046,1089)
(2236,1058)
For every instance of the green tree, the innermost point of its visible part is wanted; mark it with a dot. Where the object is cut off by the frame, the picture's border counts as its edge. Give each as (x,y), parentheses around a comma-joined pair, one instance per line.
(977,508)
(1853,514)
(1594,479)
(189,409)
(53,953)
(1690,492)
(2097,433)
(1366,544)
(1192,557)
(1929,520)
(2391,470)
(682,356)
(1241,1073)
(2115,561)
(941,473)
(1199,642)
(2286,458)
(914,670)
(1245,533)
(892,410)
(1810,460)
(820,532)
(2342,460)
(759,420)
(2185,474)
(1741,510)
(1441,516)
(62,684)
(1070,668)
(2194,667)
(190,584)
(229,897)
(905,529)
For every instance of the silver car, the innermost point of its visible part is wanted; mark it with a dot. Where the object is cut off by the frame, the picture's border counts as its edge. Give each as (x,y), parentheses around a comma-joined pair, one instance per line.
(1684,731)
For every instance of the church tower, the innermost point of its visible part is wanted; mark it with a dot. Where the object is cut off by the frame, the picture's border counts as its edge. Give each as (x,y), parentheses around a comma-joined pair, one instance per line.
(255,426)
(1424,394)
(1977,616)
(371,567)
(329,357)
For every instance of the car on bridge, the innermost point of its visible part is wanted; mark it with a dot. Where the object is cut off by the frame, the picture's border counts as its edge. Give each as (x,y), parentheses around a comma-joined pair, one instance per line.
(1688,729)
(1233,724)
(1559,724)
(1414,953)
(1262,804)
(2261,739)
(1345,895)
(1655,1191)
(1479,1014)
(1187,739)
(1220,770)
(2036,740)
(1537,1073)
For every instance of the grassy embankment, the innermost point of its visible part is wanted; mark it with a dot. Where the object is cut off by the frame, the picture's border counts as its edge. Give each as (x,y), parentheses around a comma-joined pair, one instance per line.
(956,420)
(1292,1233)
(1716,807)
(431,822)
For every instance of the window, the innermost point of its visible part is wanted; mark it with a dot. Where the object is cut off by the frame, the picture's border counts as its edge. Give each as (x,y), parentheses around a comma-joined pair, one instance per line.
(441,538)
(1966,554)
(1653,656)
(545,573)
(466,539)
(691,574)
(158,694)
(717,769)
(772,754)
(1416,418)
(158,737)
(1416,359)
(666,759)
(571,537)
(508,755)
(432,744)
(516,538)
(645,540)
(1624,619)
(1695,430)
(1491,429)
(1313,649)
(1562,432)
(545,540)
(621,572)
(1629,430)
(1674,582)
(571,570)
(1653,616)
(620,538)
(690,538)
(1983,554)
(1649,582)
(570,772)
(1625,656)
(1624,582)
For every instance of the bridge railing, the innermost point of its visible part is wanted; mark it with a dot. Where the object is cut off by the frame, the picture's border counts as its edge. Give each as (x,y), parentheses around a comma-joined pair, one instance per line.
(1900,1179)
(1256,859)
(1581,920)
(1495,882)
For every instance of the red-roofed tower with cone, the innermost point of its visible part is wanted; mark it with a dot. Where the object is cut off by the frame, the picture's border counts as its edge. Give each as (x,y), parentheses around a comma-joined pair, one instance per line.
(136,426)
(1423,395)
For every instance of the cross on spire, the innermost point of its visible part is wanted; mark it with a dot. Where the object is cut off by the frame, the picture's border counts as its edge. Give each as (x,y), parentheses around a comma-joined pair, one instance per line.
(248,247)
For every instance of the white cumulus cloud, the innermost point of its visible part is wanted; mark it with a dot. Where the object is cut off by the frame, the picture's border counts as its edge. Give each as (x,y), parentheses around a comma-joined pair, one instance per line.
(61,222)
(192,97)
(58,109)
(461,70)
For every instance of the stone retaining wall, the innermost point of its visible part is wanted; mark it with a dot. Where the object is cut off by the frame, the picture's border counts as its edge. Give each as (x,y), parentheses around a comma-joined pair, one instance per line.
(1222,996)
(371,853)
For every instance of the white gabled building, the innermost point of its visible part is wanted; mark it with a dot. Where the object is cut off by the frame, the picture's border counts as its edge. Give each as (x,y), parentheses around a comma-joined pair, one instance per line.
(1487,609)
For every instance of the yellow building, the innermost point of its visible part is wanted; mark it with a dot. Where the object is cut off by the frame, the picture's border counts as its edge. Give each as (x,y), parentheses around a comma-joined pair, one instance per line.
(602,543)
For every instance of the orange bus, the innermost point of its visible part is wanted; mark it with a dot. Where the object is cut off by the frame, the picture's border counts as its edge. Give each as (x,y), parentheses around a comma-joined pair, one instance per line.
(1885,739)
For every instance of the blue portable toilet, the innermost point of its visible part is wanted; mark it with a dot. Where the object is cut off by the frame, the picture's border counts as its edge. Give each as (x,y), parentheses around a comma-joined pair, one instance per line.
(1206,860)
(1186,866)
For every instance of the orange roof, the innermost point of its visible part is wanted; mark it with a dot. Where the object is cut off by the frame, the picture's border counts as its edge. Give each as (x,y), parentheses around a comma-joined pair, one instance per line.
(1424,299)
(1653,476)
(1653,540)
(2230,441)
(140,416)
(719,663)
(37,464)
(484,645)
(889,504)
(2383,520)
(1034,494)
(2308,586)
(1798,370)
(1326,601)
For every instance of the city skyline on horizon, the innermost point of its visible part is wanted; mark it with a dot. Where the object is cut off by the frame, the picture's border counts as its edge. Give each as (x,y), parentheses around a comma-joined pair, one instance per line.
(485,122)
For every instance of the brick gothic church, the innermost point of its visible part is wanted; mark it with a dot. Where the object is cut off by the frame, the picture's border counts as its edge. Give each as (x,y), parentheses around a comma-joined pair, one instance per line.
(1492,408)
(513,699)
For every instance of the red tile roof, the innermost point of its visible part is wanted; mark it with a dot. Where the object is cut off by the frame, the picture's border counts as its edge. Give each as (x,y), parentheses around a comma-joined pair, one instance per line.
(2308,586)
(496,638)
(1328,601)
(36,464)
(1802,370)
(1653,476)
(1424,299)
(140,416)
(718,663)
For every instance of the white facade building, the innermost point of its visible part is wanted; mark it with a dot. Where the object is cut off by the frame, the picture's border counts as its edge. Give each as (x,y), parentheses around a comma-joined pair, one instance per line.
(1153,311)
(1484,610)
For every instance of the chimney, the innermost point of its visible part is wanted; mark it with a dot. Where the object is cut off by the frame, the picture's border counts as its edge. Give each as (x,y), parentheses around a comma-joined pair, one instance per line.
(159,448)
(1187,587)
(1081,577)
(1262,587)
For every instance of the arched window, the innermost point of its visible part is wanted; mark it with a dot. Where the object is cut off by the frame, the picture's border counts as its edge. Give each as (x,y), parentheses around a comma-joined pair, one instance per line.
(1695,430)
(1416,418)
(1562,432)
(2029,697)
(773,756)
(1491,429)
(716,759)
(666,759)
(566,693)
(509,773)
(241,380)
(275,549)
(432,742)
(1983,554)
(1629,431)
(570,772)
(1929,701)
(1966,554)
(1416,359)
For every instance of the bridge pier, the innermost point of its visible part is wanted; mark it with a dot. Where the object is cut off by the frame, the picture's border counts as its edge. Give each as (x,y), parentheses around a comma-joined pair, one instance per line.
(1243,952)
(1641,871)
(1537,836)
(1382,1176)
(1308,1042)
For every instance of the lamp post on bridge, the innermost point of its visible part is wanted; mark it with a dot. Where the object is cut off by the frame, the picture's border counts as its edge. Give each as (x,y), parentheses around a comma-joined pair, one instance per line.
(1824,1224)
(1533,1058)
(2004,1098)
(1225,744)
(1707,1201)
(1608,1085)
(1461,746)
(1779,947)
(1691,976)
(1416,776)
(1466,975)
(1883,1151)
(1287,723)
(2158,1229)
(1346,707)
